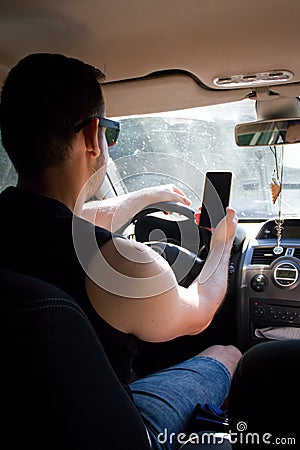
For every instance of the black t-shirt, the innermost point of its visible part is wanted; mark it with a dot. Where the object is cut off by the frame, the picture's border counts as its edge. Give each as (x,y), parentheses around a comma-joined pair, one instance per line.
(36,239)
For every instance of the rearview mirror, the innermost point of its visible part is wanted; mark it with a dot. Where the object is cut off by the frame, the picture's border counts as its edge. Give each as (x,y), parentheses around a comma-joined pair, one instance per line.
(268,132)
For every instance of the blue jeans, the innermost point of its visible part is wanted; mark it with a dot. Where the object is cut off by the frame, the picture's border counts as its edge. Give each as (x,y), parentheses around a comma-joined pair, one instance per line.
(166,399)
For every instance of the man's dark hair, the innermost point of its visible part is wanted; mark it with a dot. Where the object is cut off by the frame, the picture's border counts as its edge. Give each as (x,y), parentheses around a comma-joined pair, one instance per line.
(43,97)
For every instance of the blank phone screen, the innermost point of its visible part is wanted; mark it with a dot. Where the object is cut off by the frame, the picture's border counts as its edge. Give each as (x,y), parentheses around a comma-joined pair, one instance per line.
(215,198)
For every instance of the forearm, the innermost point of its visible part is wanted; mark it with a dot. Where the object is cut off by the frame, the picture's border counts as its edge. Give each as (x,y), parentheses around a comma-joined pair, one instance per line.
(130,204)
(213,279)
(114,212)
(202,299)
(99,212)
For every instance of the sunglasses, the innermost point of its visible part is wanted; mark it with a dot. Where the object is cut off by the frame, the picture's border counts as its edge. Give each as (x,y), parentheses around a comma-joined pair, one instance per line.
(112,128)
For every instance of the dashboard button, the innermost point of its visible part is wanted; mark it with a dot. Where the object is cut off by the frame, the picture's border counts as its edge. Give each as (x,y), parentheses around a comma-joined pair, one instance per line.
(259,311)
(259,283)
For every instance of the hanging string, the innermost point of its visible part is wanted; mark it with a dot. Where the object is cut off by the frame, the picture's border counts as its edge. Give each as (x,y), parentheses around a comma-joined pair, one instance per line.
(274,151)
(277,193)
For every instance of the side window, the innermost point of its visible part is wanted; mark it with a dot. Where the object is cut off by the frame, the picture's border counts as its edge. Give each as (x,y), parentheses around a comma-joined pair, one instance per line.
(8,176)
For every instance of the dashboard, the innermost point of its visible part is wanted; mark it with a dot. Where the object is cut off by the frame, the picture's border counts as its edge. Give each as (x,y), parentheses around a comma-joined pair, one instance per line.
(269,284)
(263,286)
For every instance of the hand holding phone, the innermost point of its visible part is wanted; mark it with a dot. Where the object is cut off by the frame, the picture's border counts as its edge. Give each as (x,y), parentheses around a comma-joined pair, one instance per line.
(215,199)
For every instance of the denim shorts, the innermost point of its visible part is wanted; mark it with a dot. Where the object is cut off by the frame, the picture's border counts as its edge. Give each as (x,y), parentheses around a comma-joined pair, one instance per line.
(166,399)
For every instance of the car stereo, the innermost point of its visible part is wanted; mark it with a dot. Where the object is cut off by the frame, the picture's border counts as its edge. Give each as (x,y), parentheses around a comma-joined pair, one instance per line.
(269,285)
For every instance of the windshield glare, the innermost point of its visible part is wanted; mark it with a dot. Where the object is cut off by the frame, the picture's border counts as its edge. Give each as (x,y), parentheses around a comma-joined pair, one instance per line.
(180,146)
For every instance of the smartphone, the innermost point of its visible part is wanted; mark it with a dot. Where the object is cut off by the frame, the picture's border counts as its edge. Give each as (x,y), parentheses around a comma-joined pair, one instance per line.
(215,198)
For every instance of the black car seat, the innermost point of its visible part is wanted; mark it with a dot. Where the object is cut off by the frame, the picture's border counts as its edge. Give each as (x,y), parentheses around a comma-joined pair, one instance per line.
(58,390)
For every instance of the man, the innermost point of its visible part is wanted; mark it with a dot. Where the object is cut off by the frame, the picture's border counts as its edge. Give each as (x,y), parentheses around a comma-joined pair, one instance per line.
(55,132)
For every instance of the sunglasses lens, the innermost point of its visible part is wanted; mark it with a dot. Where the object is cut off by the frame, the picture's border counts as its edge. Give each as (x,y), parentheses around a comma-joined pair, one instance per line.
(111,136)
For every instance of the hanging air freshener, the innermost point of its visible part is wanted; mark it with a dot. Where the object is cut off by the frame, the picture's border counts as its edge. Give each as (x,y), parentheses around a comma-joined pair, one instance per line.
(276,189)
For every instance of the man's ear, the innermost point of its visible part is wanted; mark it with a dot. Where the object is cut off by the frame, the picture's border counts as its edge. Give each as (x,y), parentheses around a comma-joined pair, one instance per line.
(90,133)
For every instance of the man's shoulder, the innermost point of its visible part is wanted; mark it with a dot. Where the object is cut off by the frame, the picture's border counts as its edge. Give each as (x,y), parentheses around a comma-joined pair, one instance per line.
(85,231)
(24,198)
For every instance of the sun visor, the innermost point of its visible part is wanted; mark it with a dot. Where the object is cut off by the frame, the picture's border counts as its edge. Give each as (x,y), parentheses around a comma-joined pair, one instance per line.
(163,93)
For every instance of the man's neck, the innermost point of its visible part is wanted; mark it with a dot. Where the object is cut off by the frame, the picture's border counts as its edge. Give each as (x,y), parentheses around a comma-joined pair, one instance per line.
(59,186)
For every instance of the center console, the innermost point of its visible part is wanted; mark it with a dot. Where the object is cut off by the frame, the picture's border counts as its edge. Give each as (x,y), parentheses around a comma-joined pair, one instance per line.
(269,284)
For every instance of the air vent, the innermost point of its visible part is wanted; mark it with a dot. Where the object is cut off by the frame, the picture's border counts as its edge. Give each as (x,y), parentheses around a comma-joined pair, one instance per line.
(297,253)
(263,256)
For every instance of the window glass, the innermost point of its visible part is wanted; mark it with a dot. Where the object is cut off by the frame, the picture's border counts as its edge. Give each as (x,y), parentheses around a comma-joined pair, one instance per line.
(8,176)
(180,146)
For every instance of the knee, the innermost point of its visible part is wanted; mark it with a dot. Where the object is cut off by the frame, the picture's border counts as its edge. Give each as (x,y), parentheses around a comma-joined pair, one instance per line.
(229,355)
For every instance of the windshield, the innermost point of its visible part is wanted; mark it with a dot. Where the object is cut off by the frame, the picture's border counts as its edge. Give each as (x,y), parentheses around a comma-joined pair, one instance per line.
(180,146)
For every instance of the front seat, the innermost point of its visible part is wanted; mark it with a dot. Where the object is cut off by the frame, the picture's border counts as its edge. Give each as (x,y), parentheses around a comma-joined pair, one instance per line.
(58,390)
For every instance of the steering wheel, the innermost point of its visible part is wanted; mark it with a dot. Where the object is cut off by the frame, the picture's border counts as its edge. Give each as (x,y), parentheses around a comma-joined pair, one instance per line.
(184,250)
(178,241)
(182,231)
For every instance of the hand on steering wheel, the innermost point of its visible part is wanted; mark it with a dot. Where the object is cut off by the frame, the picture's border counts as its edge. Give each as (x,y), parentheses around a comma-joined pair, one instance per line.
(182,256)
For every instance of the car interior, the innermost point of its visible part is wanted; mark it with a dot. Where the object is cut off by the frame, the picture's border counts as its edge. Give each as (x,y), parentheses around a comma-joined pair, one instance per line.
(201,89)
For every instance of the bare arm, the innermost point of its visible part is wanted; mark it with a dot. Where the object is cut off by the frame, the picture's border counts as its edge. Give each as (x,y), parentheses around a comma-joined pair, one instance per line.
(136,291)
(114,212)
